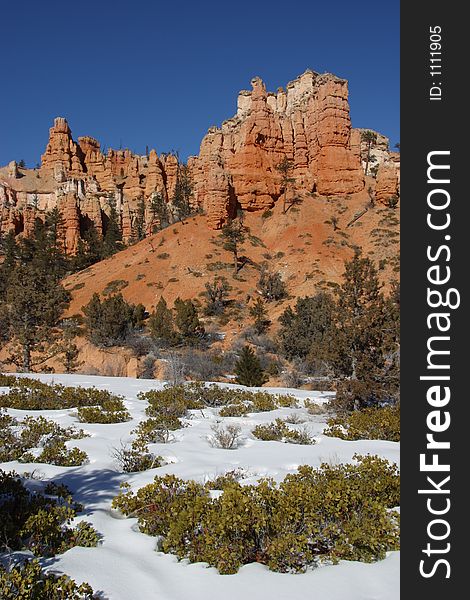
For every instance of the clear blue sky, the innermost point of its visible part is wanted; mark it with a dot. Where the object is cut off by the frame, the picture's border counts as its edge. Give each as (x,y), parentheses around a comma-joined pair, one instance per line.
(159,73)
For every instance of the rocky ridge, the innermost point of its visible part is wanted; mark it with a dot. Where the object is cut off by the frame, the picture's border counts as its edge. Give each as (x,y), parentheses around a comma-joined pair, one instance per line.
(308,123)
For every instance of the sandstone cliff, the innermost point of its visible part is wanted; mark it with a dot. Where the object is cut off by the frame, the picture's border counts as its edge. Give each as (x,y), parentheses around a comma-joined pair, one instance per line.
(307,124)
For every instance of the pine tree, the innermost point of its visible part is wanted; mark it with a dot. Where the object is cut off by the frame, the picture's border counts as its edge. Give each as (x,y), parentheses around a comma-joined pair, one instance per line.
(109,321)
(260,315)
(161,324)
(138,228)
(271,285)
(68,350)
(370,137)
(34,304)
(112,239)
(248,369)
(216,294)
(233,235)
(360,318)
(159,211)
(187,321)
(306,329)
(9,251)
(285,168)
(361,340)
(181,200)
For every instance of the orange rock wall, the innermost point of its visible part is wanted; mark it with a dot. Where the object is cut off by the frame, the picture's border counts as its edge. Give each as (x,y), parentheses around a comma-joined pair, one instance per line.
(307,123)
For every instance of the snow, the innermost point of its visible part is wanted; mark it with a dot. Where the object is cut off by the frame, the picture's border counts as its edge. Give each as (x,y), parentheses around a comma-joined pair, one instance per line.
(127,565)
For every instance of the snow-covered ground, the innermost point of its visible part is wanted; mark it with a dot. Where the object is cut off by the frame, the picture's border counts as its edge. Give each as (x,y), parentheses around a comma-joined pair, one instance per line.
(126,565)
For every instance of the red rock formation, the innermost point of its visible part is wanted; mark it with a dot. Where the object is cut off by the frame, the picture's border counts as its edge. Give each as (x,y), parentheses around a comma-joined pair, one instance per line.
(71,218)
(386,184)
(308,123)
(62,149)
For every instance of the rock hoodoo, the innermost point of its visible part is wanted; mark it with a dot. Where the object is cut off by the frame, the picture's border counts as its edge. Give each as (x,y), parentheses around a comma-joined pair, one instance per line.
(308,124)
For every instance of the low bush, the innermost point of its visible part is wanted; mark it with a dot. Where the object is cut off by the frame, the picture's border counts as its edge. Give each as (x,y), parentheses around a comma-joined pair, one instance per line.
(17,438)
(279,431)
(223,481)
(40,521)
(234,410)
(56,453)
(157,430)
(8,380)
(27,581)
(31,394)
(367,424)
(314,408)
(136,457)
(110,412)
(336,512)
(227,437)
(353,394)
(173,402)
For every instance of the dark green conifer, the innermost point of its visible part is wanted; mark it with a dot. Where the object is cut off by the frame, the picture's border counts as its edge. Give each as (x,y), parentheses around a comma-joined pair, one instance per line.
(161,324)
(248,369)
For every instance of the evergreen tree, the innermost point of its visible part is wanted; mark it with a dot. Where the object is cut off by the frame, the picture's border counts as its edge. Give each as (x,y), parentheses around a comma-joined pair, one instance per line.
(285,168)
(370,137)
(181,200)
(366,326)
(260,315)
(9,251)
(187,321)
(248,369)
(161,324)
(34,304)
(233,235)
(90,250)
(159,211)
(109,321)
(271,285)
(216,294)
(112,239)
(360,319)
(138,229)
(306,329)
(67,348)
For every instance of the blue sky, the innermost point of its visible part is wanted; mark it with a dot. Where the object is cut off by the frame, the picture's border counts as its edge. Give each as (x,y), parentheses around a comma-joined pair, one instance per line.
(160,74)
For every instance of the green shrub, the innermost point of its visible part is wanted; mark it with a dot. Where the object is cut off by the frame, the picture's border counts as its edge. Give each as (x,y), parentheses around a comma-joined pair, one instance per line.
(109,321)
(114,286)
(57,453)
(331,513)
(8,380)
(175,401)
(18,437)
(40,523)
(271,432)
(228,478)
(31,394)
(234,410)
(286,401)
(36,428)
(170,401)
(279,431)
(367,424)
(97,414)
(157,430)
(28,581)
(136,457)
(313,408)
(248,369)
(298,436)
